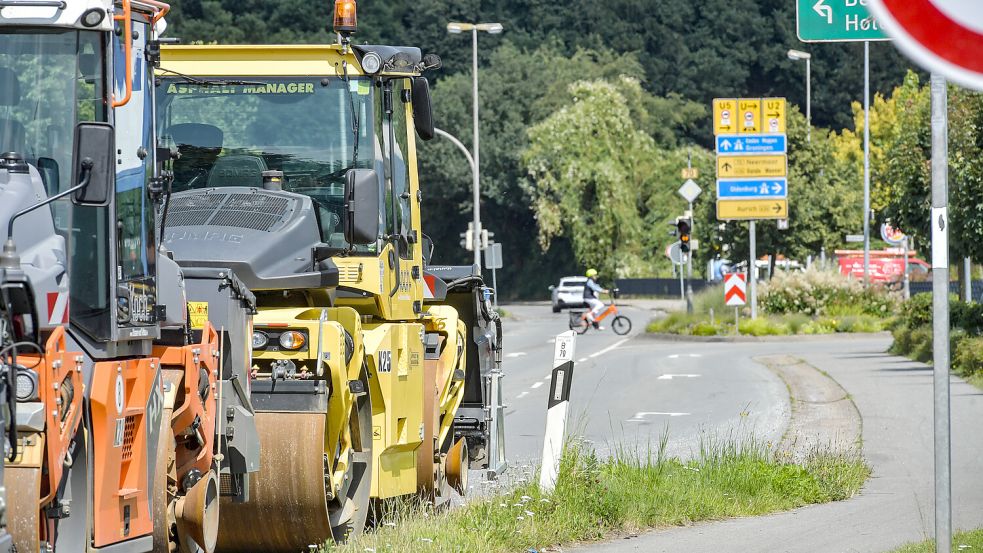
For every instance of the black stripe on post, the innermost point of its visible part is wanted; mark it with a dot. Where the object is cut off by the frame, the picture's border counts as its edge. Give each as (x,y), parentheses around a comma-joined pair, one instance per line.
(560,384)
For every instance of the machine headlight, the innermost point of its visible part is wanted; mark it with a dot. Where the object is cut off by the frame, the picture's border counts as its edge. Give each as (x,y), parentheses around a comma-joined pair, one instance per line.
(293,340)
(260,339)
(27,385)
(371,63)
(93,17)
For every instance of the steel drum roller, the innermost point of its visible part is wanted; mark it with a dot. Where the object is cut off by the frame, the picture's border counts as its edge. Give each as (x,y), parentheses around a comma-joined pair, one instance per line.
(287,508)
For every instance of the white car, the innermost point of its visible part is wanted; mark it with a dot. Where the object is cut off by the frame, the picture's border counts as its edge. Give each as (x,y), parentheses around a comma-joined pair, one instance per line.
(569,293)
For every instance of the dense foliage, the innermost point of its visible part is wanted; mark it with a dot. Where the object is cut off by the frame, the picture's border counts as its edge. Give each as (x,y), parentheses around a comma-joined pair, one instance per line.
(817,293)
(913,334)
(681,55)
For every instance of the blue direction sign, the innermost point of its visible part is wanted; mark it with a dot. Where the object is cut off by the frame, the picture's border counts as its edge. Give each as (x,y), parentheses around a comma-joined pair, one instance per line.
(752,188)
(752,144)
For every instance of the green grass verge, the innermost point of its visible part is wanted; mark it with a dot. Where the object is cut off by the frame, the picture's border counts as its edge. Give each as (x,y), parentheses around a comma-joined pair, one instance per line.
(596,497)
(962,541)
(722,324)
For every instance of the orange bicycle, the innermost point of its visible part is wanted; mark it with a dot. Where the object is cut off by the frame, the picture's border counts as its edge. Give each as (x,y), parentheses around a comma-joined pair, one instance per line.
(620,324)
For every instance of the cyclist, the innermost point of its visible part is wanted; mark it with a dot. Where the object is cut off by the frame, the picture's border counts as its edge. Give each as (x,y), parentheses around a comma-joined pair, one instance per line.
(591,291)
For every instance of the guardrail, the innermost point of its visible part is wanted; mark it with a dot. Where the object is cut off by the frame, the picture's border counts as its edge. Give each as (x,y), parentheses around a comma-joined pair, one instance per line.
(954,288)
(668,287)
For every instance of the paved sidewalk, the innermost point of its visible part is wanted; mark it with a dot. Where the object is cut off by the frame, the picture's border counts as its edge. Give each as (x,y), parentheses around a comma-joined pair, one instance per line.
(894,397)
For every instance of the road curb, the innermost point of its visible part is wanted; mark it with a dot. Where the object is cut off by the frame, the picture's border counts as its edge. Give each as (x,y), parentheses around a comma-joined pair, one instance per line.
(824,416)
(663,337)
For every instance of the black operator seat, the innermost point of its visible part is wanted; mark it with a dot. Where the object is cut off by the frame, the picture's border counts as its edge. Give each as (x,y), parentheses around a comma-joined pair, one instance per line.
(199,145)
(13,134)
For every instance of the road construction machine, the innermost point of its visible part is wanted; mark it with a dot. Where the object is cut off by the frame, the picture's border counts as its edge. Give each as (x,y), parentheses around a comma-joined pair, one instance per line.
(132,409)
(373,373)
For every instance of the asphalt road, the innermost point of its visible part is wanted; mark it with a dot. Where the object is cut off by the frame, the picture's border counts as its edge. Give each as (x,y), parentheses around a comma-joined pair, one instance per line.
(896,506)
(628,391)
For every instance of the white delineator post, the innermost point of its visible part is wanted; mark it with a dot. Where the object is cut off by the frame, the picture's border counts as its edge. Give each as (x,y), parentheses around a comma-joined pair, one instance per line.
(557,410)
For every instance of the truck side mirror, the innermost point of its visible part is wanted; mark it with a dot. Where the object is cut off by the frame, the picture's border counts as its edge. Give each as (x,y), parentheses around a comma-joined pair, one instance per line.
(362,200)
(422,113)
(93,167)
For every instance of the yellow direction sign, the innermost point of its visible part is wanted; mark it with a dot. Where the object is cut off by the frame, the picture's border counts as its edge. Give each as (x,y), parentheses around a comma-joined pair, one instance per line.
(774,115)
(740,167)
(731,210)
(749,116)
(724,116)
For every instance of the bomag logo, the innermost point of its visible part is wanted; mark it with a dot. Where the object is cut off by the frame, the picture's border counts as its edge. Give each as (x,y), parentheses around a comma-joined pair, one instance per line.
(237,172)
(204,236)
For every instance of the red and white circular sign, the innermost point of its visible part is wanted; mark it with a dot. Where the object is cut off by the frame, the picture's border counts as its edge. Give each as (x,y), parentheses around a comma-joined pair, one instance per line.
(943,36)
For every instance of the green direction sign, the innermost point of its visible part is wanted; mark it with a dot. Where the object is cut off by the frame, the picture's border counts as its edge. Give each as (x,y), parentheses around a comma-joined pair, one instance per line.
(836,21)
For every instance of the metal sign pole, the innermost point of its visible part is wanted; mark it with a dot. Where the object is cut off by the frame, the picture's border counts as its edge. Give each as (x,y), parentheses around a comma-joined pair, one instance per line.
(682,275)
(907,277)
(495,287)
(940,315)
(752,272)
(866,162)
(692,230)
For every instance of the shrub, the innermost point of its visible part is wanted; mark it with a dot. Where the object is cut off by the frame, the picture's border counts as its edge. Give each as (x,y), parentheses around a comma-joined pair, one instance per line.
(921,344)
(704,328)
(711,298)
(817,293)
(859,323)
(917,311)
(820,326)
(764,327)
(967,359)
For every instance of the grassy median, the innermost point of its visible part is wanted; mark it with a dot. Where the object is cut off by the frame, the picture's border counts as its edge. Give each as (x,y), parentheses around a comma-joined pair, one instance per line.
(631,491)
(962,541)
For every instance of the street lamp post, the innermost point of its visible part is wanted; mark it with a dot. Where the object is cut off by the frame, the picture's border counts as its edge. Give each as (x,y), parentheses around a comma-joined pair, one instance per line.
(798,55)
(494,29)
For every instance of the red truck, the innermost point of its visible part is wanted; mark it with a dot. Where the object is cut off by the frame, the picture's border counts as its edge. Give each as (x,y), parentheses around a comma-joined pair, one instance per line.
(885,265)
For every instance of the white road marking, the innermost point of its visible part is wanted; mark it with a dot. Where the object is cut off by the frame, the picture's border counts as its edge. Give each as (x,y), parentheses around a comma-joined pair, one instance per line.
(609,348)
(516,354)
(677,355)
(522,395)
(671,376)
(582,359)
(551,341)
(640,417)
(536,385)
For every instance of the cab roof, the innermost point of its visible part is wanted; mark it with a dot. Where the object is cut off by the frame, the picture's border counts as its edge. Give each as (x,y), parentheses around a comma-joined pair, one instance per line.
(287,60)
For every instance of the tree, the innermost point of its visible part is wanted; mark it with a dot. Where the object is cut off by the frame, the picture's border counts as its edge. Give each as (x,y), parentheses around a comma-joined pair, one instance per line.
(906,173)
(520,88)
(587,162)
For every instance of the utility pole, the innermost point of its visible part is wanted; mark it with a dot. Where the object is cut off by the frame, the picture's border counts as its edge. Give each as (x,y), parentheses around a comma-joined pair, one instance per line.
(689,255)
(940,314)
(752,272)
(455,29)
(866,163)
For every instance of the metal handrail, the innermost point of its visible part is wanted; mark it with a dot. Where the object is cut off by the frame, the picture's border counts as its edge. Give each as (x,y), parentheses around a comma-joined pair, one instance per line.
(60,4)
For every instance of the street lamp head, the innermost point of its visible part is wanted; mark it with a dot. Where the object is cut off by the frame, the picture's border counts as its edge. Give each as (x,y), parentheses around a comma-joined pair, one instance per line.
(456,28)
(491,28)
(797,55)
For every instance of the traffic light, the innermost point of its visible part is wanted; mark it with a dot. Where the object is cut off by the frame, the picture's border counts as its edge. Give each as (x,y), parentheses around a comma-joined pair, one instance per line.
(467,239)
(683,227)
